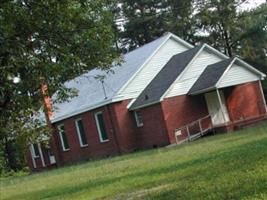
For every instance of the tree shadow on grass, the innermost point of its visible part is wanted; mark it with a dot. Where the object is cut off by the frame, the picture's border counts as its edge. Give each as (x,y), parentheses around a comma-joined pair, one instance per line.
(251,153)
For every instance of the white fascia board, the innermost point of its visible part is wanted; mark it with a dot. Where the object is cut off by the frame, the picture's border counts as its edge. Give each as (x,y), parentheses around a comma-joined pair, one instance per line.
(145,105)
(244,64)
(167,91)
(225,72)
(170,35)
(215,51)
(131,103)
(180,40)
(251,68)
(103,103)
(204,90)
(143,65)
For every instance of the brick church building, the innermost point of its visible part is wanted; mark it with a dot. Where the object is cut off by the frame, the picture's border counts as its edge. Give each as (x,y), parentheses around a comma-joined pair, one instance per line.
(165,92)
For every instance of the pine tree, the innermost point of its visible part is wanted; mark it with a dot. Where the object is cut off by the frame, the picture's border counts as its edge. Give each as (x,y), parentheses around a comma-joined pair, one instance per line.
(149,19)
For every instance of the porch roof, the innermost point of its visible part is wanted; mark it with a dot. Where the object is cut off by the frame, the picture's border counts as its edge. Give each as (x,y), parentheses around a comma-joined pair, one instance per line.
(210,76)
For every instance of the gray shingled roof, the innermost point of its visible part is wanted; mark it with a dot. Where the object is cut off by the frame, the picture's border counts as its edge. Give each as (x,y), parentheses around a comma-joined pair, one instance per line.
(163,80)
(90,89)
(210,76)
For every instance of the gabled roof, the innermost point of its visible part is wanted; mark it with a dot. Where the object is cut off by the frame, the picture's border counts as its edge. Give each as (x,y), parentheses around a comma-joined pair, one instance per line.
(158,86)
(91,93)
(213,74)
(210,76)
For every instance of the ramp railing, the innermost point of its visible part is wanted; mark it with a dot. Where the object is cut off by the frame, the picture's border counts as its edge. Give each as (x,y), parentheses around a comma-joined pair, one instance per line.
(193,130)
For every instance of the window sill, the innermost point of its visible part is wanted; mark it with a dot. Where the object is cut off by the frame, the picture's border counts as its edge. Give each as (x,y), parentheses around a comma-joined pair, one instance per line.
(84,146)
(35,157)
(66,150)
(104,141)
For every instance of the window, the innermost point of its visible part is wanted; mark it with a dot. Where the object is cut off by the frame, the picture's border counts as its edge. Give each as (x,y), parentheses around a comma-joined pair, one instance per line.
(35,150)
(51,156)
(101,127)
(81,133)
(138,118)
(63,138)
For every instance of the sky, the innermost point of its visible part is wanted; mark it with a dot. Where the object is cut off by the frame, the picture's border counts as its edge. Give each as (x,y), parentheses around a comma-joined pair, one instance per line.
(250,4)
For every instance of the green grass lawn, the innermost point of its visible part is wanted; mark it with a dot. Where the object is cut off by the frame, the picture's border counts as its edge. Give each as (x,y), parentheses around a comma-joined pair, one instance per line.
(227,166)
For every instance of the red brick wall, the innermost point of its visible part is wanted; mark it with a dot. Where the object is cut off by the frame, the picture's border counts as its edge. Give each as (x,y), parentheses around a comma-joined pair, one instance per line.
(244,101)
(95,148)
(124,126)
(153,133)
(181,110)
(38,160)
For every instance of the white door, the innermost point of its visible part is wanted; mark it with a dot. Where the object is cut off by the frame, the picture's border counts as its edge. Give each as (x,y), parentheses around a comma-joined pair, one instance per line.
(218,115)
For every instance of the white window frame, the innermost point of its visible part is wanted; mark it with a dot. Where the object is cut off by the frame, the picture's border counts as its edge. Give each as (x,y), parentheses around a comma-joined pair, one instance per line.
(34,152)
(98,127)
(138,123)
(61,138)
(79,133)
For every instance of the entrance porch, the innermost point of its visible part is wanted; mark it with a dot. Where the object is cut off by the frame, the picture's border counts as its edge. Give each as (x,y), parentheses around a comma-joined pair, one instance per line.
(228,109)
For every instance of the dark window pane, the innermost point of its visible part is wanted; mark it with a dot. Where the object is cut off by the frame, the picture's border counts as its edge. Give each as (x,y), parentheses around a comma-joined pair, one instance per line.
(102,127)
(36,150)
(64,138)
(65,141)
(82,132)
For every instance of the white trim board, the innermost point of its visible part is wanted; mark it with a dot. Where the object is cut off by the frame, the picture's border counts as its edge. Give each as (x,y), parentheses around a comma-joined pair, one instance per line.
(98,127)
(169,37)
(79,133)
(241,73)
(179,78)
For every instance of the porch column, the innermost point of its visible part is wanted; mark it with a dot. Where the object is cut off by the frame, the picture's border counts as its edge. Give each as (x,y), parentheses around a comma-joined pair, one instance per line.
(221,104)
(41,154)
(33,159)
(263,98)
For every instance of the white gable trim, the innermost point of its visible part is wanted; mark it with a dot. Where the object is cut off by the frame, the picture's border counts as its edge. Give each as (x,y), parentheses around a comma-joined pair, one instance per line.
(167,91)
(117,96)
(225,72)
(204,46)
(263,76)
(243,64)
(178,39)
(170,36)
(131,103)
(217,52)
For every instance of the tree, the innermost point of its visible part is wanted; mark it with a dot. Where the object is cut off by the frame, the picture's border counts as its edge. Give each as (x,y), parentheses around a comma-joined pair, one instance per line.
(147,20)
(47,43)
(234,32)
(253,37)
(144,22)
(218,19)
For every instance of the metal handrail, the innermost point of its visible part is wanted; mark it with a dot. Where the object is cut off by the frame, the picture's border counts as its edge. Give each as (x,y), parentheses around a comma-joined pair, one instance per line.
(194,122)
(199,122)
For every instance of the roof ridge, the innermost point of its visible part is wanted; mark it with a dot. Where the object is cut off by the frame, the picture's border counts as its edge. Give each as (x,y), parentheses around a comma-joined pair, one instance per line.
(145,45)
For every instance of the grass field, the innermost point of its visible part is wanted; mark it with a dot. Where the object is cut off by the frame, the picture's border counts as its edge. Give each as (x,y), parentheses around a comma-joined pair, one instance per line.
(227,166)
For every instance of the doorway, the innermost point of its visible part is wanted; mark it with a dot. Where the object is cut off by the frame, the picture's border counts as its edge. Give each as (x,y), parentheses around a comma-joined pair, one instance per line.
(219,114)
